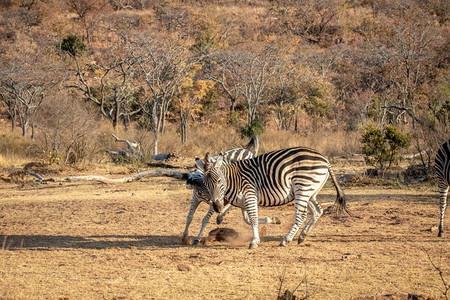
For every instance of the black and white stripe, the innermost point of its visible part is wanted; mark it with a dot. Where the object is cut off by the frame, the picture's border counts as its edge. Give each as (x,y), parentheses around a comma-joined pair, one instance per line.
(273,179)
(442,167)
(200,194)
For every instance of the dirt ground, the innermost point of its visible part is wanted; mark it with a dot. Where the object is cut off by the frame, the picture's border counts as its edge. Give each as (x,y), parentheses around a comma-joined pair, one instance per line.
(123,241)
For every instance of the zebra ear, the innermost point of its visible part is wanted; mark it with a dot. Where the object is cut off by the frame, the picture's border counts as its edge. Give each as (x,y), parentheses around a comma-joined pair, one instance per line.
(199,163)
(207,164)
(218,162)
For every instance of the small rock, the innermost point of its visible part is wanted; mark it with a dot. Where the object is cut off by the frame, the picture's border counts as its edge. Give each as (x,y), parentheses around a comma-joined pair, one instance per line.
(184,268)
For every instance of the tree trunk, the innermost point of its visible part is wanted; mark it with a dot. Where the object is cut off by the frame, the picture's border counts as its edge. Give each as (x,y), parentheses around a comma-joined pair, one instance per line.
(183,128)
(32,130)
(13,123)
(24,128)
(155,143)
(233,105)
(253,144)
(116,113)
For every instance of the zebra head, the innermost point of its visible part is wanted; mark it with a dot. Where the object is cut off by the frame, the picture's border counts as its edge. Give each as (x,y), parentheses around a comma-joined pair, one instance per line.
(194,180)
(215,181)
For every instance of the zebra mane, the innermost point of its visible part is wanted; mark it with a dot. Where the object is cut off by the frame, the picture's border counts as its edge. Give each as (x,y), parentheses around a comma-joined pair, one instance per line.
(194,178)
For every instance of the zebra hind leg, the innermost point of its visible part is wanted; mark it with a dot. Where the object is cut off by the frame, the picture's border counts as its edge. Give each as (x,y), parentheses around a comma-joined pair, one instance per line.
(443,204)
(301,203)
(316,212)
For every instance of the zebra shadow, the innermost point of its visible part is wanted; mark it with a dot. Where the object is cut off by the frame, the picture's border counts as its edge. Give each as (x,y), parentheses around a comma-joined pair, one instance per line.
(49,242)
(356,238)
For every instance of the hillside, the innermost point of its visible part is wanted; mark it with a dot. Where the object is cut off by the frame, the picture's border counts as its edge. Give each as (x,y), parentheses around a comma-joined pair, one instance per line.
(176,75)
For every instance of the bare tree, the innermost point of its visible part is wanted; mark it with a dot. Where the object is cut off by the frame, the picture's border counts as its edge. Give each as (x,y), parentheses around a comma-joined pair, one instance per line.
(11,108)
(88,15)
(309,19)
(247,74)
(24,100)
(24,85)
(109,85)
(164,65)
(286,95)
(412,54)
(225,75)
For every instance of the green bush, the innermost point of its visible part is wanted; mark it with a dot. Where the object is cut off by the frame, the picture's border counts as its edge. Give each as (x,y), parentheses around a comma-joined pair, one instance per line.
(256,127)
(73,45)
(382,148)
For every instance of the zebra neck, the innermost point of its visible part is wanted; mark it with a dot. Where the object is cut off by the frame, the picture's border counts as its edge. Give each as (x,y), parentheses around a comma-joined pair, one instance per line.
(233,179)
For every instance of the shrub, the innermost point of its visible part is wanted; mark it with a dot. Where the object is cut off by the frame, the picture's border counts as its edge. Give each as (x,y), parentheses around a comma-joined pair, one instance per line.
(256,127)
(73,45)
(382,148)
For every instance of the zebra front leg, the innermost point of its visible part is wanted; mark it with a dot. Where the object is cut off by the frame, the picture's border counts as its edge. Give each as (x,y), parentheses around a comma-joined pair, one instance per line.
(204,223)
(443,204)
(220,216)
(300,215)
(193,207)
(316,212)
(251,207)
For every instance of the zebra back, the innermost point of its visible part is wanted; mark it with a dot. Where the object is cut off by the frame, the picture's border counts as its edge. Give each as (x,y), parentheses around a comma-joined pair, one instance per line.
(233,155)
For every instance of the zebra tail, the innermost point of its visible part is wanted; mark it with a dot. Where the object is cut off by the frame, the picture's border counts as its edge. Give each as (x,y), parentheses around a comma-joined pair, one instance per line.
(340,205)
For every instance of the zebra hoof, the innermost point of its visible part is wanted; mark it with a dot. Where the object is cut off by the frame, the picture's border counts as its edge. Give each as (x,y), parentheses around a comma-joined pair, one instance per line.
(253,245)
(284,243)
(276,220)
(196,242)
(440,234)
(301,239)
(219,219)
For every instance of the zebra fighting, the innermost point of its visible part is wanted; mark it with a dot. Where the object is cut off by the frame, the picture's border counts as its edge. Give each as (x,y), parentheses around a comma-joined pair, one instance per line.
(200,194)
(442,167)
(272,179)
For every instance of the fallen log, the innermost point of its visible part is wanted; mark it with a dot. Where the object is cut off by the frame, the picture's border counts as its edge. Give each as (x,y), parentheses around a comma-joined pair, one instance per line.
(103,179)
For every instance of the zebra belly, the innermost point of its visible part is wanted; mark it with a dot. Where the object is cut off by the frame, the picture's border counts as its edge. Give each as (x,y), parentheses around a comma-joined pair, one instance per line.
(270,198)
(286,193)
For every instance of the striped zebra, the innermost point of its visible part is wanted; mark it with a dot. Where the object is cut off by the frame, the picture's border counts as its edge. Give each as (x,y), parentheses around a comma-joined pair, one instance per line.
(442,167)
(200,194)
(273,179)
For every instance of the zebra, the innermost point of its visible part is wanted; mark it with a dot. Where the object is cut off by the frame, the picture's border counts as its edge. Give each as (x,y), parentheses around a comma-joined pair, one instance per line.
(273,179)
(200,194)
(442,168)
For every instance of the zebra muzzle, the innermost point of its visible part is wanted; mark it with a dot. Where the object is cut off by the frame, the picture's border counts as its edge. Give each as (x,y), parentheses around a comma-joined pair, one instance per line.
(218,207)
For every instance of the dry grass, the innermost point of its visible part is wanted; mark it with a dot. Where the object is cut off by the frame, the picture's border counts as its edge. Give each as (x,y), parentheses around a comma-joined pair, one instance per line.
(12,161)
(16,151)
(329,142)
(88,241)
(217,138)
